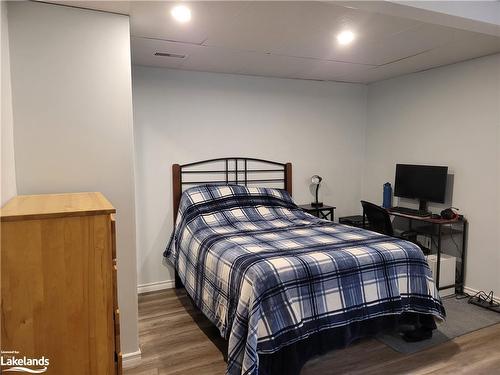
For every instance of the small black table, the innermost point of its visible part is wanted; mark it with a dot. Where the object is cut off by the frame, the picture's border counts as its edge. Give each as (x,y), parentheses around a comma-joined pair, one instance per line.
(323,212)
(354,221)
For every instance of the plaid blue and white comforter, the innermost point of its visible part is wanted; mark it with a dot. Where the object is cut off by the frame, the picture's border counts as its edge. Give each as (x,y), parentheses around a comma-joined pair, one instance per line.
(268,274)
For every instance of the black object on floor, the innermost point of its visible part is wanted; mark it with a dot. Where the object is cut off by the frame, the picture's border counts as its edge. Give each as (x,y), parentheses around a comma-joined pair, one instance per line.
(461,318)
(486,301)
(417,335)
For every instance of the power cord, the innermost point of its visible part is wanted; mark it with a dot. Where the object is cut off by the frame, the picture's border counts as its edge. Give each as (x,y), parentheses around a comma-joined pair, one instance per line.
(453,239)
(482,297)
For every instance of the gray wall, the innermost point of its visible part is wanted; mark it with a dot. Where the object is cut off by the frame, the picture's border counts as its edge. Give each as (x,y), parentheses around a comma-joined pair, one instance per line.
(71,95)
(72,101)
(8,174)
(446,116)
(182,117)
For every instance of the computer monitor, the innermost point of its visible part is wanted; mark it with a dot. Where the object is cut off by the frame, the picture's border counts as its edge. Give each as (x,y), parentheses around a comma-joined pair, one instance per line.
(426,183)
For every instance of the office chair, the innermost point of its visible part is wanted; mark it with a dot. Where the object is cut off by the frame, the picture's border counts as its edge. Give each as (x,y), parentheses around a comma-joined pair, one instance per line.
(380,221)
(378,217)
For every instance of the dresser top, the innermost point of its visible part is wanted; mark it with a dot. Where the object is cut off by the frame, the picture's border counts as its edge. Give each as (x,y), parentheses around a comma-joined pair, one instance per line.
(25,207)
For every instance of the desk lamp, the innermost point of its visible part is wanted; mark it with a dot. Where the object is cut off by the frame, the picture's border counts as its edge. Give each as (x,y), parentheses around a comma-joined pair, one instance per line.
(316,180)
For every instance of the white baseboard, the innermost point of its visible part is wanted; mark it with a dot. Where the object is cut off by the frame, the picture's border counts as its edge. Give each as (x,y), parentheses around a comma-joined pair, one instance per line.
(131,359)
(472,291)
(157,285)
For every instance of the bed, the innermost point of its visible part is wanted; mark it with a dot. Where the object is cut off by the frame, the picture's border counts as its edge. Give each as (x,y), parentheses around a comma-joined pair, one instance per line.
(282,285)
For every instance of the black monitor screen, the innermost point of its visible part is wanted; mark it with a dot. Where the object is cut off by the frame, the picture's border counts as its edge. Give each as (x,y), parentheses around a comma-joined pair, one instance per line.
(423,182)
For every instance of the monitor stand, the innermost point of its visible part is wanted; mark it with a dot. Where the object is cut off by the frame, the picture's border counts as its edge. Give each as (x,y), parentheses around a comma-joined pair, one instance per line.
(423,205)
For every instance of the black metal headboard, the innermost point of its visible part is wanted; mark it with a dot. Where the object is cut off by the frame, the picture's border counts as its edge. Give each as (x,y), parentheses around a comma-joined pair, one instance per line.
(234,170)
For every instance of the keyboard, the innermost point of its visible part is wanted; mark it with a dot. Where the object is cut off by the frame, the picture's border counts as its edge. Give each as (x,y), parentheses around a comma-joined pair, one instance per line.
(410,211)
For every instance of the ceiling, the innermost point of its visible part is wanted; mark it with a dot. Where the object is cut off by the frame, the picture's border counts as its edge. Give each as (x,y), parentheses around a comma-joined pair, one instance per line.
(297,39)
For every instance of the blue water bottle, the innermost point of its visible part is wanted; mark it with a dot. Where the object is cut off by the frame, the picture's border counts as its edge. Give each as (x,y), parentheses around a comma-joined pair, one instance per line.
(387,203)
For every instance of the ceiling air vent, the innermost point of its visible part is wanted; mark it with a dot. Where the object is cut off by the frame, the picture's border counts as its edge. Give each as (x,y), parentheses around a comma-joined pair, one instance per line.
(174,55)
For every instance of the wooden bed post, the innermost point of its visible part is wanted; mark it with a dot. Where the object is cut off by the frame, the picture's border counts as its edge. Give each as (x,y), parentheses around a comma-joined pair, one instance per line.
(177,191)
(288,178)
(176,188)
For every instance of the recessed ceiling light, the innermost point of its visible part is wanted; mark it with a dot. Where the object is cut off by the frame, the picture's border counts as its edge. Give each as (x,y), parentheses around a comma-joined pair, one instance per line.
(181,13)
(345,37)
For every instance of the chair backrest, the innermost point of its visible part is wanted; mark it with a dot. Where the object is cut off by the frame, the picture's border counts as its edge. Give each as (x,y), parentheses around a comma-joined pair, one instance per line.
(378,217)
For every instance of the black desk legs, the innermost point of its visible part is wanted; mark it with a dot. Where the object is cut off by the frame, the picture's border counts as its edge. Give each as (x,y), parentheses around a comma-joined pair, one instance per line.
(462,266)
(436,230)
(438,264)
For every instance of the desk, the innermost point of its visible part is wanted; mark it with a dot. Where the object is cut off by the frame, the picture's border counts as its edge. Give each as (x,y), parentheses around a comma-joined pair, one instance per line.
(436,229)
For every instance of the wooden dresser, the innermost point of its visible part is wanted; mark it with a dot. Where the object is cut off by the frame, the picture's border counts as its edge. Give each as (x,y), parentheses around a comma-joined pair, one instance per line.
(58,274)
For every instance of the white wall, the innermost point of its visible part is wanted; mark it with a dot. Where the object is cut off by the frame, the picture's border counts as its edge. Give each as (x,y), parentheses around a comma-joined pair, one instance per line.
(484,11)
(8,173)
(72,100)
(180,117)
(446,116)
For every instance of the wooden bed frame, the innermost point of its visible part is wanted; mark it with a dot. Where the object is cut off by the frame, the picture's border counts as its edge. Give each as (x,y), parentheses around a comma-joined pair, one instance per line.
(234,170)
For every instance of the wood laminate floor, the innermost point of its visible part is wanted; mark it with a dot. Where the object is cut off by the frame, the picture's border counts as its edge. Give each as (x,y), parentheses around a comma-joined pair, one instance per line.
(175,338)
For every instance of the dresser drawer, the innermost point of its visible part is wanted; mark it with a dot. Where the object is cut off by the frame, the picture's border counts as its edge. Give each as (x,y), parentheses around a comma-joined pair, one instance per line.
(118,352)
(116,311)
(113,236)
(119,366)
(115,284)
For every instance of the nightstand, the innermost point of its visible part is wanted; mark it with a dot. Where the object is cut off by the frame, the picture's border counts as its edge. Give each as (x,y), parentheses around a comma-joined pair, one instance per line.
(323,212)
